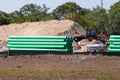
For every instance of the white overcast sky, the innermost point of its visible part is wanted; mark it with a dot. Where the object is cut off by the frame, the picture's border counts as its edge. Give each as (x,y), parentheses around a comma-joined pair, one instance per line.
(12,5)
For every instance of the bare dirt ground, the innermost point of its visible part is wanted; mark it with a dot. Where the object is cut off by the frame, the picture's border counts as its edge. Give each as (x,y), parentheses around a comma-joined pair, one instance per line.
(60,67)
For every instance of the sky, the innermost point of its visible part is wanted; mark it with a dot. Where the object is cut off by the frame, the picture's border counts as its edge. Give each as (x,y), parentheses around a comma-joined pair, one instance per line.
(12,5)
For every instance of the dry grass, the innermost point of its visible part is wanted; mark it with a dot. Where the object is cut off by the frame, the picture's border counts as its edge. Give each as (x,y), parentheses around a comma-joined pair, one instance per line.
(75,68)
(92,74)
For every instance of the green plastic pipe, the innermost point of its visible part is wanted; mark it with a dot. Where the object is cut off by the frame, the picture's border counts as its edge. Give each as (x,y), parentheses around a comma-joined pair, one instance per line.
(114,36)
(28,49)
(115,43)
(114,50)
(37,37)
(36,46)
(38,43)
(115,46)
(114,40)
(36,40)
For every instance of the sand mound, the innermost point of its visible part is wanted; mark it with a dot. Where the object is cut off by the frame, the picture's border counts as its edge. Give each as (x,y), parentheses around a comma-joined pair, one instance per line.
(43,28)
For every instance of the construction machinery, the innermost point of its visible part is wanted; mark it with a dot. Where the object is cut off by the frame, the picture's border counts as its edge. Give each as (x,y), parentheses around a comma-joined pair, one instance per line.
(90,41)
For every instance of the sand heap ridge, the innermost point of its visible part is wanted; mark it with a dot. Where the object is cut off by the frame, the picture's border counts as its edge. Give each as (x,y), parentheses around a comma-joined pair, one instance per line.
(43,28)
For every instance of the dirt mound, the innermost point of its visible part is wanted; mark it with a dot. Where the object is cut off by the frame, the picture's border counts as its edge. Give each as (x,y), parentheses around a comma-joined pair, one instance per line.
(43,28)
(12,29)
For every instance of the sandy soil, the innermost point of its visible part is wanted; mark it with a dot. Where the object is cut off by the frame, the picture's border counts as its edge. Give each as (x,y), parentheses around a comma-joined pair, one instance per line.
(43,28)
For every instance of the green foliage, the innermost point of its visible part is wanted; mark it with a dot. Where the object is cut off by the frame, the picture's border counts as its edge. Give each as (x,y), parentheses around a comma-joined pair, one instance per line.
(4,18)
(75,16)
(96,20)
(33,9)
(16,17)
(29,13)
(65,10)
(114,18)
(34,13)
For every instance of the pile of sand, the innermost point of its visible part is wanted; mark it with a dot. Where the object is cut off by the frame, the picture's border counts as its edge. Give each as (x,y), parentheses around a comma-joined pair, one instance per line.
(44,28)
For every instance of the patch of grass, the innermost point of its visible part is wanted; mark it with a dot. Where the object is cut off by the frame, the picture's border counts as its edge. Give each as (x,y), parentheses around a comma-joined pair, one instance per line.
(19,67)
(59,74)
(108,76)
(4,55)
(115,57)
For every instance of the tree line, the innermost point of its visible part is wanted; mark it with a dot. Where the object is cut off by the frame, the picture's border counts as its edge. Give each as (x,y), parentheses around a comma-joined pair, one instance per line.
(98,19)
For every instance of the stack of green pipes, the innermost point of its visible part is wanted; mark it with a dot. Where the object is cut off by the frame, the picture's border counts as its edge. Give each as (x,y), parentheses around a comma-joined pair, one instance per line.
(114,43)
(40,43)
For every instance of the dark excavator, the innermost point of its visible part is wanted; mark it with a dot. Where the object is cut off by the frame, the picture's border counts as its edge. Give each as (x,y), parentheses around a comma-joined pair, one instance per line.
(91,37)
